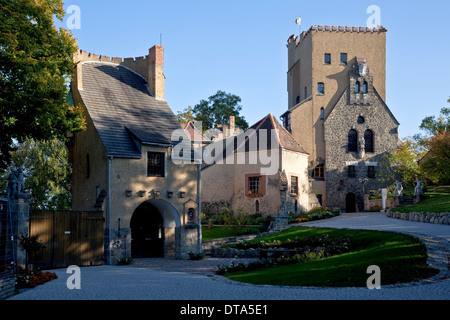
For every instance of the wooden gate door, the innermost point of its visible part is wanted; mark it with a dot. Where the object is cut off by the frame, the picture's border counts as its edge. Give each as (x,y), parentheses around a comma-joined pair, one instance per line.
(71,238)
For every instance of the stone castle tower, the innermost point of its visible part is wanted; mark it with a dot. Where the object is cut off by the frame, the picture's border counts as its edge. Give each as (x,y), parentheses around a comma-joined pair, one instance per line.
(337,87)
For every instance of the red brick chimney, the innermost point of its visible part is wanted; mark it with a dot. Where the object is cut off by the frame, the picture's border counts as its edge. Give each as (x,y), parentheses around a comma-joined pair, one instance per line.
(156,76)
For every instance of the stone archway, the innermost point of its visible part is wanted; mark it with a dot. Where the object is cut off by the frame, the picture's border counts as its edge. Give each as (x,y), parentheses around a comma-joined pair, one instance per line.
(155,225)
(351,203)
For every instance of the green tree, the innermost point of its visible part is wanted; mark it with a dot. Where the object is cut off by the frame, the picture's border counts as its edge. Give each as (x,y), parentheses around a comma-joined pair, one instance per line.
(36,62)
(47,173)
(185,116)
(218,109)
(435,126)
(435,164)
(401,164)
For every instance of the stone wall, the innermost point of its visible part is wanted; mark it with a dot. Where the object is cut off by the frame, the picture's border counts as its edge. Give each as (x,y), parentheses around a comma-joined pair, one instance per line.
(7,286)
(344,118)
(425,217)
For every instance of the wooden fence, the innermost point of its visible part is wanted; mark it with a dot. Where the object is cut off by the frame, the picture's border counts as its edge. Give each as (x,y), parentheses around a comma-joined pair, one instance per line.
(71,238)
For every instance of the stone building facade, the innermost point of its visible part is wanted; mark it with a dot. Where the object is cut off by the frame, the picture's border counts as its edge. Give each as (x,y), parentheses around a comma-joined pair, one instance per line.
(261,176)
(122,163)
(337,90)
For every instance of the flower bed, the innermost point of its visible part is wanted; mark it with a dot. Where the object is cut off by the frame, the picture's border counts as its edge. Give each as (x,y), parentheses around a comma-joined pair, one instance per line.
(278,252)
(32,278)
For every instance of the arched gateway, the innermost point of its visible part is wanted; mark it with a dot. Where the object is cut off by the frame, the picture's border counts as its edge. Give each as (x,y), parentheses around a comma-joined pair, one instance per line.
(154,227)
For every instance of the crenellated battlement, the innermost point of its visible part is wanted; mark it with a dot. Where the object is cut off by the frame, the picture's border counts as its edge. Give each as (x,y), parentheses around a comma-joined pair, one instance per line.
(149,66)
(342,29)
(82,56)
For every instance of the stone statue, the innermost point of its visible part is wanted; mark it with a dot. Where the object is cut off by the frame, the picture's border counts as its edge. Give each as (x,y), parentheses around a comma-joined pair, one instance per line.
(362,148)
(362,69)
(418,191)
(16,183)
(398,192)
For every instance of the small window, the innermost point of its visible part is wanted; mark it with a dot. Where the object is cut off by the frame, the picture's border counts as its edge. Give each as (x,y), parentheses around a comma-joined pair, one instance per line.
(319,172)
(155,164)
(343,59)
(351,171)
(257,206)
(352,141)
(306,92)
(255,186)
(327,58)
(321,88)
(294,186)
(297,100)
(361,120)
(371,172)
(322,114)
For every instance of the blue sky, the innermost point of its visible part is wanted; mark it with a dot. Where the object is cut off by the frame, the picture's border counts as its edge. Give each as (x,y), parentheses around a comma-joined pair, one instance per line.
(239,46)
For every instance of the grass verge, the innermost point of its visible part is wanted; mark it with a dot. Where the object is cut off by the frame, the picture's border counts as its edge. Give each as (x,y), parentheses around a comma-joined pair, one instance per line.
(401,258)
(437,200)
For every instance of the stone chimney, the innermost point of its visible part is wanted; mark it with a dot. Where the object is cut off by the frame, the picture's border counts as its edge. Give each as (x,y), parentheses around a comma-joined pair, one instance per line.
(156,76)
(232,122)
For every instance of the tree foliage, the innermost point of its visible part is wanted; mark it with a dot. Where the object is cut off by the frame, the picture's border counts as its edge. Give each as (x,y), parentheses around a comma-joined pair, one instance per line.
(401,164)
(435,165)
(218,109)
(36,62)
(185,116)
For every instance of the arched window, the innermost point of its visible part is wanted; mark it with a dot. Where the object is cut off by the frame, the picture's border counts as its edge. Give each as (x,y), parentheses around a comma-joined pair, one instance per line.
(257,206)
(365,87)
(322,114)
(368,137)
(352,141)
(357,87)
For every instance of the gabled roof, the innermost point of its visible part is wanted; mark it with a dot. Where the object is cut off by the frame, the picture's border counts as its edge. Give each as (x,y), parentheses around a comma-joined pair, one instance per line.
(123,110)
(193,133)
(377,96)
(284,139)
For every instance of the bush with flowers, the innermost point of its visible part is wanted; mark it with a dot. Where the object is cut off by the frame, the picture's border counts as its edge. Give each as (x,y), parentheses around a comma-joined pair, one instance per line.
(27,279)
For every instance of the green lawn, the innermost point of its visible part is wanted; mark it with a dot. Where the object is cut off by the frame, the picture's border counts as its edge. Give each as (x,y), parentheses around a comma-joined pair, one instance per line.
(437,200)
(218,232)
(401,259)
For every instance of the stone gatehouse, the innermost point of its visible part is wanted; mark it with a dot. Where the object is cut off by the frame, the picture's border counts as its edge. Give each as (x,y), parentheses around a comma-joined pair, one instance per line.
(122,163)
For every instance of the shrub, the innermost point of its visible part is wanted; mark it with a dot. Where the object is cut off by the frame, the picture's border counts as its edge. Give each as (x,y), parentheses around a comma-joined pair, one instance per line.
(27,279)
(196,256)
(124,261)
(267,263)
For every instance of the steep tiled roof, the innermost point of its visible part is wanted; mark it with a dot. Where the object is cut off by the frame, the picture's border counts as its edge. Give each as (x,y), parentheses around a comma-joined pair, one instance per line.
(193,133)
(123,110)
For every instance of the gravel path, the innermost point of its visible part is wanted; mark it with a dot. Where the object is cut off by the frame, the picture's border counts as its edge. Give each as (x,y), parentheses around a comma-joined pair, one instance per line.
(165,279)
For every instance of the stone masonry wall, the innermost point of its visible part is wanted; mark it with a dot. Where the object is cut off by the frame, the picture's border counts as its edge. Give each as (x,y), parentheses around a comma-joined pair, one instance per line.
(425,217)
(344,117)
(7,286)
